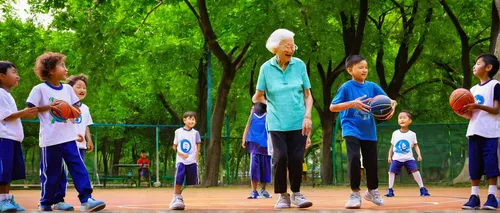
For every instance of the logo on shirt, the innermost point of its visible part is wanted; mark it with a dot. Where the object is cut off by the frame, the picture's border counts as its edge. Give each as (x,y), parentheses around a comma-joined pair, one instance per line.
(479,99)
(79,120)
(185,145)
(402,147)
(55,118)
(362,115)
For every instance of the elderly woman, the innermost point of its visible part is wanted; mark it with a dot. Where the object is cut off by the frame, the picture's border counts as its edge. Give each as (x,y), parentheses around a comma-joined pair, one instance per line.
(284,86)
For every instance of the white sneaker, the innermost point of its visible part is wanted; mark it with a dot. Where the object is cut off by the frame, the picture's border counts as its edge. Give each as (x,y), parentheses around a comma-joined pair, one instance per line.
(354,201)
(374,196)
(283,201)
(300,201)
(177,203)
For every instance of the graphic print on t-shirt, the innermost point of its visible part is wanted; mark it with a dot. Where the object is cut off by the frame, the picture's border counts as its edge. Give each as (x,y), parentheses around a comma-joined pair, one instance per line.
(185,146)
(402,147)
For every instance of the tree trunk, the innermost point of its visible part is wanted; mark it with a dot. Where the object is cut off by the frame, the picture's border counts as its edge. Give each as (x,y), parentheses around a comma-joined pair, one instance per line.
(116,155)
(201,92)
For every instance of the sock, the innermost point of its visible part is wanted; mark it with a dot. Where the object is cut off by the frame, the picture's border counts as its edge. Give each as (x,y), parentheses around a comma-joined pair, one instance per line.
(3,197)
(418,178)
(492,190)
(475,190)
(391,179)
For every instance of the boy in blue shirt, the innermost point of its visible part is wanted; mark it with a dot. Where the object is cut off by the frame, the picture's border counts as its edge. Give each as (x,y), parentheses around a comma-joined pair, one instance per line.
(358,129)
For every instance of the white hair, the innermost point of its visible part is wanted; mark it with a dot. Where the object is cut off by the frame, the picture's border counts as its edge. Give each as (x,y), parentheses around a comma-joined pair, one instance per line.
(275,38)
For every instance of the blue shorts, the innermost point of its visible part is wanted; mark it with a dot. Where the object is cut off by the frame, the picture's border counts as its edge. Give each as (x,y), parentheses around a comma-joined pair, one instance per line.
(11,161)
(483,158)
(82,153)
(260,168)
(396,166)
(189,173)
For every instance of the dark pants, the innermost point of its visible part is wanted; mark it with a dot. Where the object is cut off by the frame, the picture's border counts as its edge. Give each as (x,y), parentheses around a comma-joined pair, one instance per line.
(288,156)
(369,152)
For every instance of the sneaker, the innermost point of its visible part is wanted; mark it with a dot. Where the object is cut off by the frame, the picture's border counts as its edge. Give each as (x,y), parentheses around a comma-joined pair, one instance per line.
(424,192)
(374,196)
(14,203)
(92,205)
(354,201)
(283,201)
(390,192)
(6,206)
(177,203)
(63,206)
(253,195)
(300,201)
(264,193)
(45,208)
(473,203)
(491,203)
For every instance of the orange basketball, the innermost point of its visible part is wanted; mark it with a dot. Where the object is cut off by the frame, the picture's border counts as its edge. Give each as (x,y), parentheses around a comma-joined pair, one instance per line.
(459,98)
(66,111)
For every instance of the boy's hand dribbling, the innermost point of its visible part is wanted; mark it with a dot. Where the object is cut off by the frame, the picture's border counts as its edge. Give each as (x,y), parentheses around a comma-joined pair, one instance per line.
(361,104)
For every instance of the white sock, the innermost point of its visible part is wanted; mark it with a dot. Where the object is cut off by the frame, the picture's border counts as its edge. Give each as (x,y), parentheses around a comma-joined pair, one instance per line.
(492,190)
(418,178)
(475,190)
(3,197)
(391,179)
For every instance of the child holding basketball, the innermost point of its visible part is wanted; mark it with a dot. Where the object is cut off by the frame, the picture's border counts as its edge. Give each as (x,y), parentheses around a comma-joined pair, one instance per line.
(359,130)
(11,136)
(187,145)
(483,131)
(255,139)
(400,154)
(58,136)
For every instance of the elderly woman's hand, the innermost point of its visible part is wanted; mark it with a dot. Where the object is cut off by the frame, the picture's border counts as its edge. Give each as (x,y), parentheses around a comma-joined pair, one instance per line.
(306,126)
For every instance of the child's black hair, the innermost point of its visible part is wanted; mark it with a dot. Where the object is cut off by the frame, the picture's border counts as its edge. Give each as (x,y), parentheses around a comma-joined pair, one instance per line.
(353,59)
(490,59)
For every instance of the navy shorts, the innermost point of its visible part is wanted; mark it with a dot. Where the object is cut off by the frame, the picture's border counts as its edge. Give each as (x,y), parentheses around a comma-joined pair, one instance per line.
(189,173)
(396,166)
(260,168)
(483,159)
(11,161)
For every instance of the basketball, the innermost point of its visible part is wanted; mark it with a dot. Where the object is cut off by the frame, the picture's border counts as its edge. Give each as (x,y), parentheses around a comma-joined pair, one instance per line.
(459,98)
(66,111)
(381,107)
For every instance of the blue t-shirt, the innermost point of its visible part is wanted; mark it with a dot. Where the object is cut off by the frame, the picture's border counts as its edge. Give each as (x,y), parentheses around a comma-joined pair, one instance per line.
(354,122)
(285,93)
(257,135)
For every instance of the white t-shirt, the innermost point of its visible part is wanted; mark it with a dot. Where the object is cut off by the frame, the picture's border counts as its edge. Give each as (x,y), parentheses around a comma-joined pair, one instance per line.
(12,130)
(186,141)
(52,130)
(484,123)
(81,124)
(403,143)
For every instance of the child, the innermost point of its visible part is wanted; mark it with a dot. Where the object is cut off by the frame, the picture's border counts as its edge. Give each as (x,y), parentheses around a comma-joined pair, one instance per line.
(483,132)
(11,135)
(358,129)
(187,145)
(79,85)
(58,137)
(400,154)
(143,163)
(255,139)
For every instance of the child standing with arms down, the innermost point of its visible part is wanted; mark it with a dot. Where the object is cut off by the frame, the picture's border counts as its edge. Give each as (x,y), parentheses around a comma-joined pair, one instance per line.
(483,131)
(187,145)
(58,136)
(255,139)
(359,130)
(11,136)
(400,154)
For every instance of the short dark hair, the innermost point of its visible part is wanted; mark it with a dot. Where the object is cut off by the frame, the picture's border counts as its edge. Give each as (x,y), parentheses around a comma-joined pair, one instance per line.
(46,62)
(490,59)
(259,108)
(353,59)
(5,65)
(142,151)
(74,78)
(189,114)
(408,113)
